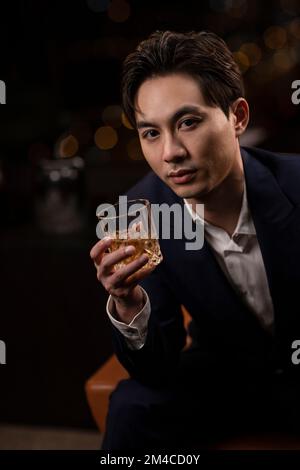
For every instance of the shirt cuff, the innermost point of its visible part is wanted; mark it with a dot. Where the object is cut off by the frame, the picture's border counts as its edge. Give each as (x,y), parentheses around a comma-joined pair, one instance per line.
(136,331)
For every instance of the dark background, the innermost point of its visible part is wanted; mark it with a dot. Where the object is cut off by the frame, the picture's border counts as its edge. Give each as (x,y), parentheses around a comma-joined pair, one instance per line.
(64,149)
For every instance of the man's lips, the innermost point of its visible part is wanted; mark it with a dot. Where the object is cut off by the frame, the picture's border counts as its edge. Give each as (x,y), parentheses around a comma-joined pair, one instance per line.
(182,176)
(181,172)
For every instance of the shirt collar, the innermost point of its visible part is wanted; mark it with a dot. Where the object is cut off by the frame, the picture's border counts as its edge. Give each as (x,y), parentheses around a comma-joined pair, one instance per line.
(244,225)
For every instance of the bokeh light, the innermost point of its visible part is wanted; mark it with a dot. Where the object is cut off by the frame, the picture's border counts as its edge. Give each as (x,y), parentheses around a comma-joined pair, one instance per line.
(134,149)
(252,51)
(78,163)
(283,60)
(106,137)
(54,176)
(119,11)
(242,61)
(275,37)
(98,6)
(67,147)
(126,122)
(112,116)
(69,173)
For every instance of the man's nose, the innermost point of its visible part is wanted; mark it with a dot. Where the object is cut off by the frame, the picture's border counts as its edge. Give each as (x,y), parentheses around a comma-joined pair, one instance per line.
(173,150)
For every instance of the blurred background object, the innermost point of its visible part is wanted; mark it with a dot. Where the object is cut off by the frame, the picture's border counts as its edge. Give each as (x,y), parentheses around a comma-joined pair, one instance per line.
(59,204)
(66,147)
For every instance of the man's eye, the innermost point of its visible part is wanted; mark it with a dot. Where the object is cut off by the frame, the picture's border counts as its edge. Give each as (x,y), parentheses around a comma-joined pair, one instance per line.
(188,122)
(151,134)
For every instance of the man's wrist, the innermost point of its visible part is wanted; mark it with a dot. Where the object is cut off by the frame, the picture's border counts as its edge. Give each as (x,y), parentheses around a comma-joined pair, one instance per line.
(126,309)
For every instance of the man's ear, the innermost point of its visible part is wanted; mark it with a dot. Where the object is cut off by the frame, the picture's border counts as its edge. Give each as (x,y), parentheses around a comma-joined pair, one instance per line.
(240,110)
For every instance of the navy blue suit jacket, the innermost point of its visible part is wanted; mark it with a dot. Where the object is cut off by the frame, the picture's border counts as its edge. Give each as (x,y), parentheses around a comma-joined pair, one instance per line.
(226,333)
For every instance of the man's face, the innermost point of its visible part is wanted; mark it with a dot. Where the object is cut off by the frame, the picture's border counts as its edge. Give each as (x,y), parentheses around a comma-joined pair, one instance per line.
(179,132)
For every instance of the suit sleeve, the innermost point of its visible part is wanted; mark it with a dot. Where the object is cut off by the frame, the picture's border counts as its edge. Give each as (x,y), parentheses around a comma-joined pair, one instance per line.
(158,359)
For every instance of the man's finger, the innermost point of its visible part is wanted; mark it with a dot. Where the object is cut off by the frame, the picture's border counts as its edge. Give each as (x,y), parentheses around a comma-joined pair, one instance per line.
(100,248)
(121,274)
(116,256)
(135,278)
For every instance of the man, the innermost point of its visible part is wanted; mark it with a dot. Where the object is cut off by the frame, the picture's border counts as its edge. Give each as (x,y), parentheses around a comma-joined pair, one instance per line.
(184,95)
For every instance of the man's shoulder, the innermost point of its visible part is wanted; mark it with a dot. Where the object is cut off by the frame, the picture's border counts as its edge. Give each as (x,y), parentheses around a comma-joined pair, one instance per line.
(276,161)
(151,187)
(285,167)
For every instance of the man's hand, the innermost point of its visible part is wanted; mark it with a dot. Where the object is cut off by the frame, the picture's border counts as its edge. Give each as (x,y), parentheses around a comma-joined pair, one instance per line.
(121,284)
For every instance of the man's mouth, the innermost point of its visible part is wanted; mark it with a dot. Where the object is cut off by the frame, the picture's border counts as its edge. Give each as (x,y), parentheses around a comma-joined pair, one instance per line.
(182,176)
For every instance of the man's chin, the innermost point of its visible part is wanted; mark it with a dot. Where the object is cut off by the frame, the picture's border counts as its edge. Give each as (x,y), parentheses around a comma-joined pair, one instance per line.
(189,193)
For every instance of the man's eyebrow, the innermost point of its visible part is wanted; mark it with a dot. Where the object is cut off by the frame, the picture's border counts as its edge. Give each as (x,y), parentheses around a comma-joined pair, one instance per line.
(180,112)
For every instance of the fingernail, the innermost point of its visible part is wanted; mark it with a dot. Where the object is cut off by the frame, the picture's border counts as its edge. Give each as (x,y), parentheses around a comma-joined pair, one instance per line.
(129,250)
(106,239)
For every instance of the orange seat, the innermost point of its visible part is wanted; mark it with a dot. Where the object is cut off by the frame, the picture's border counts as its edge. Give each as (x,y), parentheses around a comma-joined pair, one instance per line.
(99,387)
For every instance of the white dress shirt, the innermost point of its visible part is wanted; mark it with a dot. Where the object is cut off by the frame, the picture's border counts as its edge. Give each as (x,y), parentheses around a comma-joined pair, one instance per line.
(240,259)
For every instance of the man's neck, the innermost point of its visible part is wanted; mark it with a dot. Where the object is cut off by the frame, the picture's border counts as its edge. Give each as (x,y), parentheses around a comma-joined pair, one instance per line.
(223,204)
